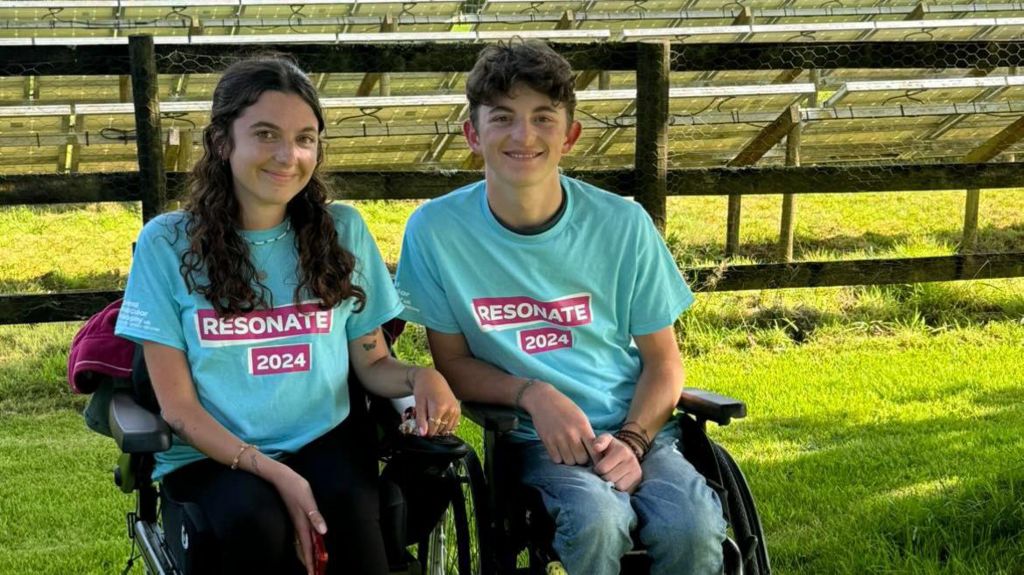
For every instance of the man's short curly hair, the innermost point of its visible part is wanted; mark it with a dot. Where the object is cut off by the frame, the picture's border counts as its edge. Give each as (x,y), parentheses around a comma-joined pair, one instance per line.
(533,63)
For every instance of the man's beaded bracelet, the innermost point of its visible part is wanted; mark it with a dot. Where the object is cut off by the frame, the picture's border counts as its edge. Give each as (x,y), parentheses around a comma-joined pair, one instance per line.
(633,445)
(633,422)
(522,389)
(641,440)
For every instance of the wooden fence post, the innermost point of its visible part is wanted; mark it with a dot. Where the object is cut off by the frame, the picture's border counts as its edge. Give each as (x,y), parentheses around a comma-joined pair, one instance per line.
(765,140)
(970,239)
(787,224)
(148,142)
(991,148)
(651,156)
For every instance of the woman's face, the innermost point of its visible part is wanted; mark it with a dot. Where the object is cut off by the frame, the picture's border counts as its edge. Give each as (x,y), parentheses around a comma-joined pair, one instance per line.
(273,155)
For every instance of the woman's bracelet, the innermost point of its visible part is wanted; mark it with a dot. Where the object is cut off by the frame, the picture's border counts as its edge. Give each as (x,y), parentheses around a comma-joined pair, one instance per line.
(522,389)
(238,456)
(409,374)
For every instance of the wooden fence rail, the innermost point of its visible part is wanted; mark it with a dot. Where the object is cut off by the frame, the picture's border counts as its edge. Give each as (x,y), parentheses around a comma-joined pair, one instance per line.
(79,305)
(376,185)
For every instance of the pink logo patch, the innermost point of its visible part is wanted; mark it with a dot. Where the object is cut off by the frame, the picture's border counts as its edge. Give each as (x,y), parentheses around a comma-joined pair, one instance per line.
(262,325)
(279,359)
(543,339)
(498,313)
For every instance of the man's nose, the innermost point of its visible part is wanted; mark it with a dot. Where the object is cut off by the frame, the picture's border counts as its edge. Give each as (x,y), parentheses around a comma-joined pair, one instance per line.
(523,131)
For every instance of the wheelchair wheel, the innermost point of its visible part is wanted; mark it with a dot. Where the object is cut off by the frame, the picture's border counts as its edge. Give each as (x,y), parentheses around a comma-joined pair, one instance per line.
(454,545)
(743,517)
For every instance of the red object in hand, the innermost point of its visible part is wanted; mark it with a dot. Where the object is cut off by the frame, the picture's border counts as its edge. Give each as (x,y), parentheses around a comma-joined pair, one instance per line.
(319,554)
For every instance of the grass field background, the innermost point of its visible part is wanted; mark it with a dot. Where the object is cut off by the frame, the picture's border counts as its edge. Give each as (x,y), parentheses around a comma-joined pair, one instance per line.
(885,423)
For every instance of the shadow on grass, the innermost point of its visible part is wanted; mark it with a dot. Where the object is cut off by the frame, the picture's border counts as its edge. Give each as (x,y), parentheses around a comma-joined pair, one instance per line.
(35,379)
(897,496)
(991,239)
(57,280)
(866,310)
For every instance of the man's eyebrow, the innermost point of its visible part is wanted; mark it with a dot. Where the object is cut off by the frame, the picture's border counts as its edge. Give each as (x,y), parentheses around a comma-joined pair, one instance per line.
(271,125)
(545,109)
(507,110)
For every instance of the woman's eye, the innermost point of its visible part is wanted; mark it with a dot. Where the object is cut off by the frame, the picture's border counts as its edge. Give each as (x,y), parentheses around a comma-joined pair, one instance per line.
(307,140)
(264,135)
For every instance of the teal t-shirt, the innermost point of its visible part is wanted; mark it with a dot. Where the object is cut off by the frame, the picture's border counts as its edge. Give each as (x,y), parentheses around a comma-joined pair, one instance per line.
(278,377)
(562,305)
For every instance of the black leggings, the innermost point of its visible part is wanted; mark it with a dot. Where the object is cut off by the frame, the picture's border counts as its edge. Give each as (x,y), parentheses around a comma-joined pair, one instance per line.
(254,531)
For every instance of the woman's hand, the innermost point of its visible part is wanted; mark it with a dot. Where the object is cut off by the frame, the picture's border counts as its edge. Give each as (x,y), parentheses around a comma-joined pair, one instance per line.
(437,410)
(298,500)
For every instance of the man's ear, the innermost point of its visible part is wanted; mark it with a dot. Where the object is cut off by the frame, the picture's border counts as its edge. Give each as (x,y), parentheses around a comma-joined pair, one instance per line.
(571,137)
(472,137)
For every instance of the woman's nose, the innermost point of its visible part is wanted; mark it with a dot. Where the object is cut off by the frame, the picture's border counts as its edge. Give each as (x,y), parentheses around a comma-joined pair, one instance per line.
(285,152)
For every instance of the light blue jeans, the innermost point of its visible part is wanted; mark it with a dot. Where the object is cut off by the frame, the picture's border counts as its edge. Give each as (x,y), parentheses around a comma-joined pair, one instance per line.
(678,517)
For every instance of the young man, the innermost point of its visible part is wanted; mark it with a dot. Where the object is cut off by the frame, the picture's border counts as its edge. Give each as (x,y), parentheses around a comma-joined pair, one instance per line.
(547,294)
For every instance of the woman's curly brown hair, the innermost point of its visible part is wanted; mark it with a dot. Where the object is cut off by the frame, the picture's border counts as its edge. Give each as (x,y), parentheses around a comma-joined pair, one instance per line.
(215,247)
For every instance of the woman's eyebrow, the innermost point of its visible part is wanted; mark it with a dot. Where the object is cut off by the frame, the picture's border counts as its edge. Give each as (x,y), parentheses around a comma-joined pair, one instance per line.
(271,125)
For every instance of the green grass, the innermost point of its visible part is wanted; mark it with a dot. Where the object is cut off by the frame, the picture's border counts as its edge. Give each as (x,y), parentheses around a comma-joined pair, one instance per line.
(885,421)
(66,247)
(884,456)
(59,510)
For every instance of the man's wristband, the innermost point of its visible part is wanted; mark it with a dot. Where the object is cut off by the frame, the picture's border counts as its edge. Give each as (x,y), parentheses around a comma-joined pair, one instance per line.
(642,441)
(635,442)
(634,423)
(522,389)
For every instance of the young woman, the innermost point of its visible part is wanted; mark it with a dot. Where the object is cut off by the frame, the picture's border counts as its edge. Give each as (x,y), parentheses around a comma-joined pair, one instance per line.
(252,304)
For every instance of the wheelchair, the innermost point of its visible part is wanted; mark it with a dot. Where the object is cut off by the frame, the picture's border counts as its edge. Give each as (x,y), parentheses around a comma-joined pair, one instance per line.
(426,493)
(517,519)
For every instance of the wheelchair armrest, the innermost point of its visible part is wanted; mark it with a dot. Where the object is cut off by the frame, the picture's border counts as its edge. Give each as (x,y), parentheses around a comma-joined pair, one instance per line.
(491,417)
(711,406)
(428,452)
(135,428)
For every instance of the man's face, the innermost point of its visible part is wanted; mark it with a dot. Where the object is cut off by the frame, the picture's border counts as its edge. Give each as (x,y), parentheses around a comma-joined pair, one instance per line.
(522,137)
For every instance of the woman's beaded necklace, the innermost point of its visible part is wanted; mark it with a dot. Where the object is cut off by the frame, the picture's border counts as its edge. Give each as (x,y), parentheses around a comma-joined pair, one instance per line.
(261,273)
(287,228)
